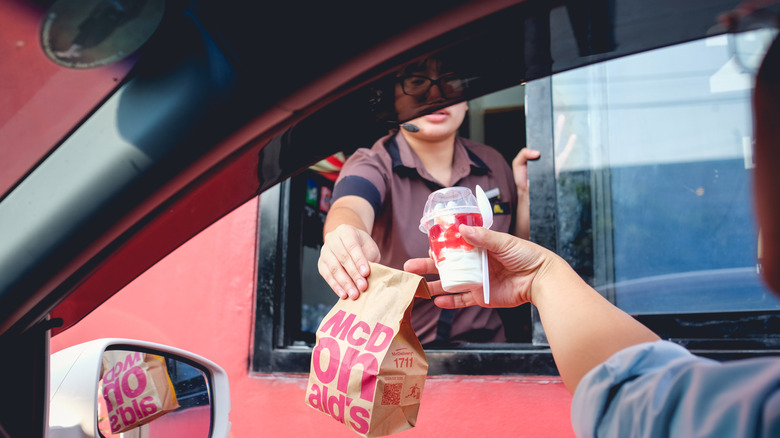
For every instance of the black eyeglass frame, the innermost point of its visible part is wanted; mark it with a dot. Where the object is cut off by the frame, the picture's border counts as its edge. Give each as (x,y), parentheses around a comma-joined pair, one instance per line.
(434,82)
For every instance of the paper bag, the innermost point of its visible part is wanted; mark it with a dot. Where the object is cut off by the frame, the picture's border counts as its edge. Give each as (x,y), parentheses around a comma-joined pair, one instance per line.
(136,388)
(368,367)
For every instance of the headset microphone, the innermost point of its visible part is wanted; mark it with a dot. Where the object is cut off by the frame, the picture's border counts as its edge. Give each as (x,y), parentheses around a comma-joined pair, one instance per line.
(410,127)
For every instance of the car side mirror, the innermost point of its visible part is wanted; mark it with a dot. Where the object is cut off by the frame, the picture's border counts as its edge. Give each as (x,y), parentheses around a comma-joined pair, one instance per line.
(136,388)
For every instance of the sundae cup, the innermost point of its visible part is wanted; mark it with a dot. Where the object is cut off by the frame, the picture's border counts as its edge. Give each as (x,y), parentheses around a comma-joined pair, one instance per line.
(458,262)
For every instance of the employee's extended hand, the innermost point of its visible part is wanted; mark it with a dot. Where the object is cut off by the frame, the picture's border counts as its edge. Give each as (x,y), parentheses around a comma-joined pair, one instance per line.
(344,260)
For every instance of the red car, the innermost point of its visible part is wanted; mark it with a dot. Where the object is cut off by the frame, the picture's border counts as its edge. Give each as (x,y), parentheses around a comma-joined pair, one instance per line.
(128,127)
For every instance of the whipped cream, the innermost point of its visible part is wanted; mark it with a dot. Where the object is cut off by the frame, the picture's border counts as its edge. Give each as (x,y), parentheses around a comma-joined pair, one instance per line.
(460,269)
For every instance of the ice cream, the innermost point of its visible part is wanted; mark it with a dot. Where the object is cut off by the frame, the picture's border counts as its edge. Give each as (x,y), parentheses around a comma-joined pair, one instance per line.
(455,258)
(458,262)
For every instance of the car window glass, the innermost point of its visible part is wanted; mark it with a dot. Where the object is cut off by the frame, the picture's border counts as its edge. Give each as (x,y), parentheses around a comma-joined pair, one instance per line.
(653,168)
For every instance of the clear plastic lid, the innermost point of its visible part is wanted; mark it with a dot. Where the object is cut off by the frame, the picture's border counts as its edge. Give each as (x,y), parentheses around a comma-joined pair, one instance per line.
(447,201)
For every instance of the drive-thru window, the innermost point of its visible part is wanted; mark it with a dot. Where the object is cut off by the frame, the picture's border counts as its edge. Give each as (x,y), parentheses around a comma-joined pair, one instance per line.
(643,187)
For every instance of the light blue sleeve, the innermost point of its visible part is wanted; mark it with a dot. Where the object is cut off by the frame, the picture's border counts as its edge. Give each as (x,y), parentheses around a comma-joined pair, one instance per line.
(659,389)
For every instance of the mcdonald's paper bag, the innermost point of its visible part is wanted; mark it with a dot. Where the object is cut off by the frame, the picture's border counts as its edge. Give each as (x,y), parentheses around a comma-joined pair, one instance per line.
(136,388)
(368,368)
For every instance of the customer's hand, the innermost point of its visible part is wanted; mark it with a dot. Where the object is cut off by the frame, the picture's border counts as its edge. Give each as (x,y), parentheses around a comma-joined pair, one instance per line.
(344,260)
(582,327)
(514,265)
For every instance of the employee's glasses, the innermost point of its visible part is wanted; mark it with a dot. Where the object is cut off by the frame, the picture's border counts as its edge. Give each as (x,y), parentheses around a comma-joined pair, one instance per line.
(450,86)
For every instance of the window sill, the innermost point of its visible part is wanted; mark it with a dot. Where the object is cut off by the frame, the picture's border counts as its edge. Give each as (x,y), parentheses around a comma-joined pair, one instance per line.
(485,359)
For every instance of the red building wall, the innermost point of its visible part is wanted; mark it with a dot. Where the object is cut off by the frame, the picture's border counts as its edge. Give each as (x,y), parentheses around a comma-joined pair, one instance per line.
(201,298)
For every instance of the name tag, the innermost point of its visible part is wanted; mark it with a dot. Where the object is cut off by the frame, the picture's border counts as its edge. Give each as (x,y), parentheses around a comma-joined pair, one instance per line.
(499,208)
(493,193)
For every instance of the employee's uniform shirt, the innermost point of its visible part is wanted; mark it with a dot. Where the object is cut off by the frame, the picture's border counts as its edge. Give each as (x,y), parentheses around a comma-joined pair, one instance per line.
(659,389)
(391,177)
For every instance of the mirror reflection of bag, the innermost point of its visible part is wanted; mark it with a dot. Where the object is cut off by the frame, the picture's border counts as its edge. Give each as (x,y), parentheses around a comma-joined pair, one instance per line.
(136,388)
(368,367)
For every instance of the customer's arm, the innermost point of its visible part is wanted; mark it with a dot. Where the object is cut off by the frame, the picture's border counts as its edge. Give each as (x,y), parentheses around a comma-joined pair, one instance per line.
(582,327)
(348,247)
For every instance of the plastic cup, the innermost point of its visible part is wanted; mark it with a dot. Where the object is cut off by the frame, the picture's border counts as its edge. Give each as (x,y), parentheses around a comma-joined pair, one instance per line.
(458,262)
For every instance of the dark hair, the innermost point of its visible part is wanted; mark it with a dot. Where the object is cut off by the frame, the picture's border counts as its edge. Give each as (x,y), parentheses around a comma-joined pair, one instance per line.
(382,92)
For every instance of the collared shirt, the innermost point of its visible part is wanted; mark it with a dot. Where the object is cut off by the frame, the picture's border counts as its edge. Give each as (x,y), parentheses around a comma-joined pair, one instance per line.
(660,389)
(391,177)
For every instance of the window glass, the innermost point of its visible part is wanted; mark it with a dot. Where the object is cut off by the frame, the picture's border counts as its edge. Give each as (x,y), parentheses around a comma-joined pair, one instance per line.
(316,296)
(653,169)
